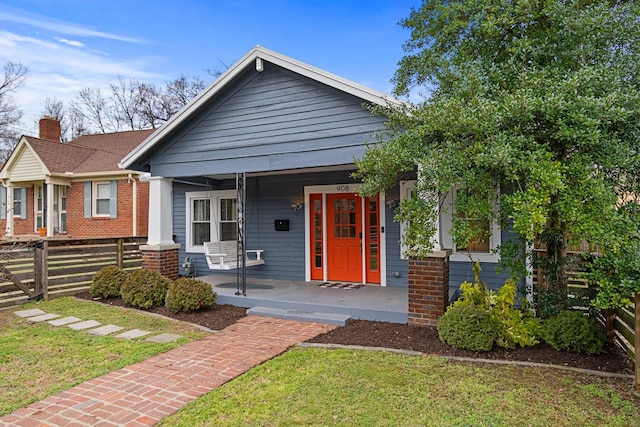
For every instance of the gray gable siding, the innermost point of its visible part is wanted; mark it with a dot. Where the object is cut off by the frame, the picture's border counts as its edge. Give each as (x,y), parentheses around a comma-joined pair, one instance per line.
(269,121)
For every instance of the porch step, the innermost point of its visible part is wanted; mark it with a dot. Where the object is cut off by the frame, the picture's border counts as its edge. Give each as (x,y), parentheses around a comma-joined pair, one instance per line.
(305,316)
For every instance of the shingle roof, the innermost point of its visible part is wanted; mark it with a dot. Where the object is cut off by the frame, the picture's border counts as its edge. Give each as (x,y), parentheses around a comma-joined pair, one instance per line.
(88,153)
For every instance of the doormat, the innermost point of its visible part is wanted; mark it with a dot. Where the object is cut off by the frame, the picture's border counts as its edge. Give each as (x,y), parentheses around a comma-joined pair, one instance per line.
(340,285)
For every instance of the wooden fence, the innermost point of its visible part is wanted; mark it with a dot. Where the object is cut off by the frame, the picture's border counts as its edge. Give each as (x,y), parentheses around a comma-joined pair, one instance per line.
(623,324)
(46,268)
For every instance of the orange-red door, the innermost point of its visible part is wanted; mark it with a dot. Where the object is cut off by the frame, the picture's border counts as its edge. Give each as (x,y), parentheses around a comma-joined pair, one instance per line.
(344,237)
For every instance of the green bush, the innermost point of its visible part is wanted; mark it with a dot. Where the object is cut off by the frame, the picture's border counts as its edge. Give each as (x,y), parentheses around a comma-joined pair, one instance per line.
(107,282)
(145,289)
(573,331)
(468,327)
(189,294)
(514,327)
(517,327)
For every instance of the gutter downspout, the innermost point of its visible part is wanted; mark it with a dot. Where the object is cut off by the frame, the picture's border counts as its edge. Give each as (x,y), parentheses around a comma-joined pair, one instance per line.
(134,191)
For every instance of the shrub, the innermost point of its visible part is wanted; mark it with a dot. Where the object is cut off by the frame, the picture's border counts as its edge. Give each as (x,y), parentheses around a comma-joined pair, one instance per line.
(145,289)
(107,282)
(514,327)
(573,331)
(517,327)
(189,294)
(468,327)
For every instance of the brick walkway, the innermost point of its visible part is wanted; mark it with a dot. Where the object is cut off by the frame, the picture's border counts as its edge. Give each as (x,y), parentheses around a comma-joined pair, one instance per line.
(144,393)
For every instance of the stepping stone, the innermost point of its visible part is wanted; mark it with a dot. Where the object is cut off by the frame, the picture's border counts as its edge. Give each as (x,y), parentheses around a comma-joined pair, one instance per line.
(164,338)
(63,321)
(132,334)
(106,330)
(29,313)
(42,317)
(84,325)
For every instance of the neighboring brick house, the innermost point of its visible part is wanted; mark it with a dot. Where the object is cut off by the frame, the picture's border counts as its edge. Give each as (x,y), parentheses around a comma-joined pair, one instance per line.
(74,189)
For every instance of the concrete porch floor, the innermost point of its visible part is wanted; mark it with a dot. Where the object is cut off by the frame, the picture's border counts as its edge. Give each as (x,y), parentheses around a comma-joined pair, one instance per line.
(368,302)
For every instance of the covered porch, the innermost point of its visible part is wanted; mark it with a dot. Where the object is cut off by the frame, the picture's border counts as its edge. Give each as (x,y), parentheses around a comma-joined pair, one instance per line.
(314,301)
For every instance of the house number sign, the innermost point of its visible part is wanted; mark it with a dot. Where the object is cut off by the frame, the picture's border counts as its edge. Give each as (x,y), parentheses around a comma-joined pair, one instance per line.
(347,188)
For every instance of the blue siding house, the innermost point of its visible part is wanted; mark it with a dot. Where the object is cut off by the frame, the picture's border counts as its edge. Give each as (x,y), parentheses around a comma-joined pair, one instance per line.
(294,130)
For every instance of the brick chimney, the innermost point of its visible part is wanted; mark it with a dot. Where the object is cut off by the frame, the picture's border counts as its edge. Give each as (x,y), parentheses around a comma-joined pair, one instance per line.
(50,129)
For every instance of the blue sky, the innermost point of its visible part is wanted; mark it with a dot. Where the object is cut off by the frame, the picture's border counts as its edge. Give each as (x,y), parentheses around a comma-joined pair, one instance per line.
(72,44)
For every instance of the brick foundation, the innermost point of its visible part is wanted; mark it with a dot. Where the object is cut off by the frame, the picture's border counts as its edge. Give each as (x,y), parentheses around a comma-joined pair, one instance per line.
(428,289)
(161,258)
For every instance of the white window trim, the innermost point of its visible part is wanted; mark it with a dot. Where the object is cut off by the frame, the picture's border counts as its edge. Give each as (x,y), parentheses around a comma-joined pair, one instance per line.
(214,197)
(15,200)
(94,199)
(336,189)
(38,190)
(406,188)
(447,239)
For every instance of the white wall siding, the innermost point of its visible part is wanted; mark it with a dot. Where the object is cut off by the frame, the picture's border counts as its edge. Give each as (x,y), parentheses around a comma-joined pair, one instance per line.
(27,167)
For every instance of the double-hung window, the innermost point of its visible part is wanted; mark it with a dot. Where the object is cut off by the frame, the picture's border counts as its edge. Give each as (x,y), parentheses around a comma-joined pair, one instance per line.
(101,199)
(19,205)
(102,191)
(210,216)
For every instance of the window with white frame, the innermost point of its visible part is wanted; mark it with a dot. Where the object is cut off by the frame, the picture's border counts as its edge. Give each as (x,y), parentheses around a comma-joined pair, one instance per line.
(39,206)
(102,198)
(482,249)
(201,221)
(228,219)
(210,216)
(19,196)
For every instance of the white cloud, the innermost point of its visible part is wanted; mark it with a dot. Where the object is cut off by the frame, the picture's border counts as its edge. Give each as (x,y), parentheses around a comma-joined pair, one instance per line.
(59,68)
(70,42)
(62,27)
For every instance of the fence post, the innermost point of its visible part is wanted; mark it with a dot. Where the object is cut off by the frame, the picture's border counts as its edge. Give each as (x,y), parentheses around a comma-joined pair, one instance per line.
(120,254)
(41,273)
(37,271)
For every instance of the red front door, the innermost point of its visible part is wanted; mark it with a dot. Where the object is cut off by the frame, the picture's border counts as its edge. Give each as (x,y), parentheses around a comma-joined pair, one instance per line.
(344,237)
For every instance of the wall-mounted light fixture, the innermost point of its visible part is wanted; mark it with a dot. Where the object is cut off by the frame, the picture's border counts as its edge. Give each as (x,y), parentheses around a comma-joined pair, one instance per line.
(296,206)
(392,204)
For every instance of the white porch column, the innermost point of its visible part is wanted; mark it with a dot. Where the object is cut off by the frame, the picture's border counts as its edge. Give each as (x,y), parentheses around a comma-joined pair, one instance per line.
(435,239)
(10,213)
(160,211)
(50,193)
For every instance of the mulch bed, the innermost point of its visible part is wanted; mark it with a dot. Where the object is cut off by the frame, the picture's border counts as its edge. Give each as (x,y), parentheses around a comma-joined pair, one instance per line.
(405,337)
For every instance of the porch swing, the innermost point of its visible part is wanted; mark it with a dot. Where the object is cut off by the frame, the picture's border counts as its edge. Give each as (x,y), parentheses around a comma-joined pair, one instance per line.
(232,255)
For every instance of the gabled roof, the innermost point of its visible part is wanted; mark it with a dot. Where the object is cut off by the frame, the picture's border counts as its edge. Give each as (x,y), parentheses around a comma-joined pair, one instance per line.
(85,155)
(254,58)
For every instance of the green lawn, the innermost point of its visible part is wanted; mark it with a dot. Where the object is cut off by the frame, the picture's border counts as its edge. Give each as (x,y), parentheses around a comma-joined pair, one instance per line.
(309,386)
(38,360)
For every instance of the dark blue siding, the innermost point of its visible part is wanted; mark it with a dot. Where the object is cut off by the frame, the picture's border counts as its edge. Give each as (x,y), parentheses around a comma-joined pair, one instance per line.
(269,121)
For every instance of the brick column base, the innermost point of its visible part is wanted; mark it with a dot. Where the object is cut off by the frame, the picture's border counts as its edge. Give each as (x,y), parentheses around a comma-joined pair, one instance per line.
(428,288)
(161,258)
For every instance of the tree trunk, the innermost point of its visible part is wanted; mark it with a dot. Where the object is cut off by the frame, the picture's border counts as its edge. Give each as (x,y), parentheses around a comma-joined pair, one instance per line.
(637,341)
(609,322)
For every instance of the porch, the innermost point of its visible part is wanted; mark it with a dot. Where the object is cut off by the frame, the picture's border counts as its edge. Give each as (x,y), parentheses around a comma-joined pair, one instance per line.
(314,301)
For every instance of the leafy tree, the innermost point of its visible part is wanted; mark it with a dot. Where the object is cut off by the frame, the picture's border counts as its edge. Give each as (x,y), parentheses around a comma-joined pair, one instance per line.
(12,78)
(537,98)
